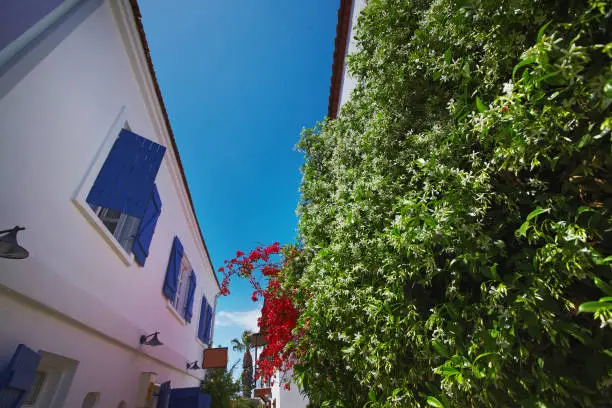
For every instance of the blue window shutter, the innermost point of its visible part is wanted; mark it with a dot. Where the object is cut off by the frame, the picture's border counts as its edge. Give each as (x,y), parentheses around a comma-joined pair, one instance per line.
(126,179)
(174,268)
(18,377)
(163,398)
(202,324)
(143,238)
(189,305)
(207,327)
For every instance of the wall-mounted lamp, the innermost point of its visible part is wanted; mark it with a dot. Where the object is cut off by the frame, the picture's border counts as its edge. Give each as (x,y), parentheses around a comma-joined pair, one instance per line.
(193,366)
(151,340)
(9,248)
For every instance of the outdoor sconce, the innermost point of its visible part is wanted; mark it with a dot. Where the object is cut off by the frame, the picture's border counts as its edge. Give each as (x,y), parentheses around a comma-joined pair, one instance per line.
(9,248)
(151,340)
(193,366)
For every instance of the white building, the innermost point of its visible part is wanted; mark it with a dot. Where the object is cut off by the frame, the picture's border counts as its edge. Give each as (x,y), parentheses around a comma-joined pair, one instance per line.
(89,165)
(342,83)
(291,398)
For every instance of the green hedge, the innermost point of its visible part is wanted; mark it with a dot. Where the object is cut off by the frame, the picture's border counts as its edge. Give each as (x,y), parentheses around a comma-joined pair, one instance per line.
(457,212)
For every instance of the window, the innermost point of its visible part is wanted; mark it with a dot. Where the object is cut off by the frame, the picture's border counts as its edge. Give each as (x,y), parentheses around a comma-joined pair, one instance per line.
(180,283)
(39,381)
(205,326)
(124,196)
(184,282)
(123,227)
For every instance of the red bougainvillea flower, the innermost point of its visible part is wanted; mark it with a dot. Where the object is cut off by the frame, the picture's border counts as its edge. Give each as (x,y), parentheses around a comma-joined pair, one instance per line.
(279,314)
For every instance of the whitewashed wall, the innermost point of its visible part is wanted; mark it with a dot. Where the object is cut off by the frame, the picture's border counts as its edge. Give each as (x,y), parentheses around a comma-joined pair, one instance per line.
(287,398)
(74,295)
(348,82)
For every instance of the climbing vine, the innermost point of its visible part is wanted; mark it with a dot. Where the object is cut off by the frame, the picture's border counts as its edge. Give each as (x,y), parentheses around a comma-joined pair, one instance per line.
(455,216)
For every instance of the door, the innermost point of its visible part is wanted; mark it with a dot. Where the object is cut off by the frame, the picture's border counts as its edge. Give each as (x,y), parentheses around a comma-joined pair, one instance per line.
(163,398)
(17,378)
(189,398)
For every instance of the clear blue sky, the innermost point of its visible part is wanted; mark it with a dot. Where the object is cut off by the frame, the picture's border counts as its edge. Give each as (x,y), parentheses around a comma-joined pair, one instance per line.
(240,79)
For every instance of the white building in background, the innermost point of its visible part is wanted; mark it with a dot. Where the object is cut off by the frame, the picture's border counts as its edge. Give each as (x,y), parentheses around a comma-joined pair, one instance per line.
(342,85)
(89,166)
(290,398)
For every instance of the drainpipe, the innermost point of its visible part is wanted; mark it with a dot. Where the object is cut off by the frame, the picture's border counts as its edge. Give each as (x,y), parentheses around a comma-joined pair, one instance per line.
(212,333)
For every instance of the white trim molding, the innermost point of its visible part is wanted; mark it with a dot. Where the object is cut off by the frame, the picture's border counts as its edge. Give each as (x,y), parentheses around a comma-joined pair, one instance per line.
(80,196)
(125,18)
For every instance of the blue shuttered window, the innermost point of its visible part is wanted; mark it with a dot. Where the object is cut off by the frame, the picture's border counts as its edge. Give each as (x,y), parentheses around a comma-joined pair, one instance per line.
(190,293)
(203,320)
(143,237)
(174,268)
(208,326)
(18,377)
(125,182)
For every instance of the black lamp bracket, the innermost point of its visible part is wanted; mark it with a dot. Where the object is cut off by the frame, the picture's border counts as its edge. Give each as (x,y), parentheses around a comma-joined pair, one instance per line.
(15,229)
(144,338)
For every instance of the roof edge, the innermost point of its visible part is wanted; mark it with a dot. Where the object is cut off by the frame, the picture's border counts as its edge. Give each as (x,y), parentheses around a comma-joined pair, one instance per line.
(145,47)
(341,44)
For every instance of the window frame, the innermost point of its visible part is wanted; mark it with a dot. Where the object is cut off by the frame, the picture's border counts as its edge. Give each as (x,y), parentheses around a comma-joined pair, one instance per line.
(80,196)
(179,304)
(33,394)
(126,226)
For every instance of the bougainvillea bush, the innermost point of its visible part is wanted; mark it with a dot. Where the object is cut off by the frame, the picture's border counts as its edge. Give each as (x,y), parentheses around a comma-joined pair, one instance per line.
(457,212)
(268,269)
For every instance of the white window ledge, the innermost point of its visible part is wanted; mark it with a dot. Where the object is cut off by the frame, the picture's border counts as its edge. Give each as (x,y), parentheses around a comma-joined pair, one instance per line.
(93,219)
(80,196)
(201,343)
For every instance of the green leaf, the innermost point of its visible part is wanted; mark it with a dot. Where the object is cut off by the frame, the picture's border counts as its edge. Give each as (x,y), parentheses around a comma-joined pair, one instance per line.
(537,212)
(603,286)
(494,273)
(608,88)
(372,396)
(481,106)
(521,64)
(484,355)
(434,402)
(542,30)
(440,348)
(584,208)
(448,371)
(592,307)
(522,231)
(447,56)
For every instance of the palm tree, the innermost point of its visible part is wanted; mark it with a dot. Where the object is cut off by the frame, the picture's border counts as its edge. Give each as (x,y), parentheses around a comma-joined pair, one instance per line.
(244,344)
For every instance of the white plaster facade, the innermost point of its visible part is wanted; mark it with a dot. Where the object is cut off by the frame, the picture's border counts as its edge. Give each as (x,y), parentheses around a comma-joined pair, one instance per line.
(348,82)
(287,398)
(65,86)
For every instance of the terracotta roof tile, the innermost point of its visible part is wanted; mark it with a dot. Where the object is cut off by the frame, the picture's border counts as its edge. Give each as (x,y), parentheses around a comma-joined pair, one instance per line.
(341,44)
(145,47)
